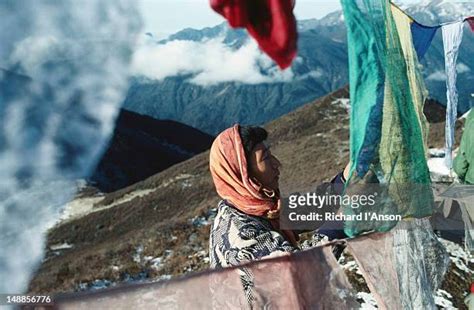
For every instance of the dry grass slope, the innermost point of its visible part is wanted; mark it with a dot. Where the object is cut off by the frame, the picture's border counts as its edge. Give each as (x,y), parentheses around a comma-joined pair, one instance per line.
(171,222)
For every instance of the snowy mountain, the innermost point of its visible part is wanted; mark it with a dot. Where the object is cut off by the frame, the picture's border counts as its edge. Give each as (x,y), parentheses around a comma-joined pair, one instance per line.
(321,67)
(426,12)
(432,13)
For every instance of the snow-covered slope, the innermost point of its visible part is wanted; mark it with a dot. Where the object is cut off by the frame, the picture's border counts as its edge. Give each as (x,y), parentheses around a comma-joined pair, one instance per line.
(440,11)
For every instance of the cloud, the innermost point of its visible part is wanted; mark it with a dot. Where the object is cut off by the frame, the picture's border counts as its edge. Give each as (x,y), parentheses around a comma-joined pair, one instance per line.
(462,68)
(318,73)
(209,62)
(34,51)
(437,76)
(440,75)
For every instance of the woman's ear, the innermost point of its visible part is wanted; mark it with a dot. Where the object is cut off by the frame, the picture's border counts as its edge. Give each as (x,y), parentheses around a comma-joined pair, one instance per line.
(257,182)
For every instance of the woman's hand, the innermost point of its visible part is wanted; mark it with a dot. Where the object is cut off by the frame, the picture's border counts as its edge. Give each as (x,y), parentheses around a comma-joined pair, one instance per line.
(347,170)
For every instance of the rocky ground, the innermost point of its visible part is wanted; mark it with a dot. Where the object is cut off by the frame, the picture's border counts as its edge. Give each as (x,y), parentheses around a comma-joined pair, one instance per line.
(158,228)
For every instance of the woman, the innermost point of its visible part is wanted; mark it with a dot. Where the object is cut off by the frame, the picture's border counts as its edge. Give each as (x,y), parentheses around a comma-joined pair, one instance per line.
(246,176)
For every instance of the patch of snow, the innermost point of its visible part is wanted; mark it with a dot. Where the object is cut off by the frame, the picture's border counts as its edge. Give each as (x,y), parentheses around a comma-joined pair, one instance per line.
(222,91)
(343,293)
(186,183)
(81,207)
(61,246)
(439,171)
(199,221)
(100,284)
(442,299)
(140,277)
(438,165)
(165,277)
(342,258)
(128,197)
(156,263)
(78,208)
(435,152)
(368,303)
(343,102)
(96,285)
(352,266)
(432,12)
(202,254)
(460,257)
(349,265)
(137,256)
(182,176)
(443,292)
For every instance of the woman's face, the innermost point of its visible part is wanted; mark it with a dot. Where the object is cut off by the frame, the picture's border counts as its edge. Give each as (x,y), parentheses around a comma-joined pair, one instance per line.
(264,166)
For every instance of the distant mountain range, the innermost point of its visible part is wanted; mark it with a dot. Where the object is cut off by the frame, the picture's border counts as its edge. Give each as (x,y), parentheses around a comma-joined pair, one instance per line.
(321,67)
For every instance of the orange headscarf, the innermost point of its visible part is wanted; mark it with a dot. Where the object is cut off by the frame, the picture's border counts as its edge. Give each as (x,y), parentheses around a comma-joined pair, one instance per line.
(228,167)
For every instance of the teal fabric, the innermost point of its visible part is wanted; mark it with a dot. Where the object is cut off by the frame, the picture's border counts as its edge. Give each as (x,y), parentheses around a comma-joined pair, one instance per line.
(386,130)
(366,78)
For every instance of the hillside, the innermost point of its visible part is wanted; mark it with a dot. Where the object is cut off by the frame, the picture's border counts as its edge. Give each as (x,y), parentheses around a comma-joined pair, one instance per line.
(158,228)
(142,146)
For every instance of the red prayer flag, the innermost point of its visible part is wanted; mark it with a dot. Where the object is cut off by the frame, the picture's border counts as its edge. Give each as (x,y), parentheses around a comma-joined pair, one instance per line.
(270,22)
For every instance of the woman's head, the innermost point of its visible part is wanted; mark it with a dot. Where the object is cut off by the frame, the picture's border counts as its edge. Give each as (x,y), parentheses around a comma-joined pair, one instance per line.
(261,163)
(244,171)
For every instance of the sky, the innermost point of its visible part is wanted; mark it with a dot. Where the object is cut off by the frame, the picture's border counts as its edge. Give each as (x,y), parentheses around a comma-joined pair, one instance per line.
(212,61)
(164,17)
(206,60)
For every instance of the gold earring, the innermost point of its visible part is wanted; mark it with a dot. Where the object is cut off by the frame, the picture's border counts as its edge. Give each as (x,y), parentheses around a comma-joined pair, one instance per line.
(269,192)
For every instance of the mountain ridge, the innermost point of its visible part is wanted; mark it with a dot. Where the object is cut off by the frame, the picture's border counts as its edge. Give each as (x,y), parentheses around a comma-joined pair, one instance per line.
(142,146)
(320,68)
